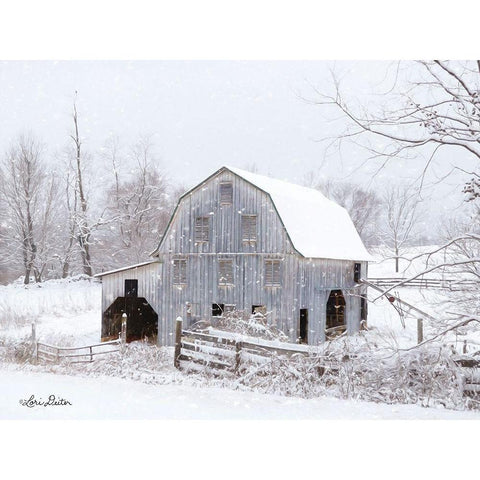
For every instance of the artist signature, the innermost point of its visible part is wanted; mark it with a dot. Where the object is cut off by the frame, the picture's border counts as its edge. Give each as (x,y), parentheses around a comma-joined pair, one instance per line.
(52,401)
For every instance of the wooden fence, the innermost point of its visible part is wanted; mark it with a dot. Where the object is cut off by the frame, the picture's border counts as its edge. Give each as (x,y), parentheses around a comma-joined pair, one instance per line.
(197,350)
(470,374)
(424,282)
(54,354)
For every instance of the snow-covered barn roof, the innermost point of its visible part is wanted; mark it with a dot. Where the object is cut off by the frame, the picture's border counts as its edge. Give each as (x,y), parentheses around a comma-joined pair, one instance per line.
(317,226)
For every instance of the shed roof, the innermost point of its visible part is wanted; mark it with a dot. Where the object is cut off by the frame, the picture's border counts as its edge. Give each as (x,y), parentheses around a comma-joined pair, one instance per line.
(317,226)
(121,269)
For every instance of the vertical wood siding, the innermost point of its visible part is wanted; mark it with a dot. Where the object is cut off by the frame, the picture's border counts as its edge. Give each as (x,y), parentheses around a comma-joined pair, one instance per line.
(149,284)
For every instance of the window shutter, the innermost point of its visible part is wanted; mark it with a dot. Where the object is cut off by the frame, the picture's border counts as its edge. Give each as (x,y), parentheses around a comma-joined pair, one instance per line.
(249,228)
(226,193)
(272,273)
(202,229)
(180,272)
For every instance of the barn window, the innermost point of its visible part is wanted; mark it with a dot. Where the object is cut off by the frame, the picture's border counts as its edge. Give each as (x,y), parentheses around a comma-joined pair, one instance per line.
(217,309)
(272,273)
(363,308)
(249,228)
(225,272)
(180,271)
(202,229)
(357,270)
(131,288)
(262,309)
(226,193)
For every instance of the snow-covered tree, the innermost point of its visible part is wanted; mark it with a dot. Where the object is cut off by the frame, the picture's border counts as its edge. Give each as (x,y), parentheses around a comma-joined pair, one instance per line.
(29,194)
(401,212)
(138,202)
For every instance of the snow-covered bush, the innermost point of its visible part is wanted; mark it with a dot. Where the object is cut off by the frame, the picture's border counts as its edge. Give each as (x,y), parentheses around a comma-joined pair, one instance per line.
(347,368)
(253,325)
(17,351)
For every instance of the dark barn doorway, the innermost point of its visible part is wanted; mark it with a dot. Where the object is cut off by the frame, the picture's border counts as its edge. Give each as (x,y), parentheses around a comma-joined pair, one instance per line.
(335,313)
(303,337)
(142,320)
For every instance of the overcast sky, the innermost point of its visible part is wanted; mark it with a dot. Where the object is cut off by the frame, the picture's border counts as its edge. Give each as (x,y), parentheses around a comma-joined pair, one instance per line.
(204,114)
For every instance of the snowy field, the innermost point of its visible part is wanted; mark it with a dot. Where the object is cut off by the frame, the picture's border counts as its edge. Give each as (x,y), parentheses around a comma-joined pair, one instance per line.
(112,398)
(67,312)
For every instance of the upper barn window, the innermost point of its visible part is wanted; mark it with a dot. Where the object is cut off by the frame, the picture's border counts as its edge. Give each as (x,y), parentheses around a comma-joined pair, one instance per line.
(131,288)
(226,193)
(180,271)
(249,228)
(202,229)
(357,272)
(272,273)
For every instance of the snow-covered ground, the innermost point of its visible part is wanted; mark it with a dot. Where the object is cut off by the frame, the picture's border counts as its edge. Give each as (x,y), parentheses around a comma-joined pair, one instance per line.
(113,398)
(66,312)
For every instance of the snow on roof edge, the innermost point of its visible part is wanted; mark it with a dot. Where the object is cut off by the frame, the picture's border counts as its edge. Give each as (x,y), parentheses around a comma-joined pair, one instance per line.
(143,264)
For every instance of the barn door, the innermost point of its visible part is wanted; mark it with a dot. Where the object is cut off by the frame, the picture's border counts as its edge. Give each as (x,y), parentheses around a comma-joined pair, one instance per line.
(303,337)
(336,321)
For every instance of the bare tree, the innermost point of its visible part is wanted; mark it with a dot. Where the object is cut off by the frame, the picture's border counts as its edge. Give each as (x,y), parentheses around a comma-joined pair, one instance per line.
(67,244)
(402,214)
(83,227)
(139,203)
(439,109)
(29,194)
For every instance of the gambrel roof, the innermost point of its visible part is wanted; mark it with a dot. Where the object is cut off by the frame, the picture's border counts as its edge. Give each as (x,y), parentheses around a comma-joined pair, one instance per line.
(316,226)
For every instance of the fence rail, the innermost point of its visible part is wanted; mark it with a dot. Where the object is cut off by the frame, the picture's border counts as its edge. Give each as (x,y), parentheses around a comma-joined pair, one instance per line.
(52,353)
(55,354)
(424,282)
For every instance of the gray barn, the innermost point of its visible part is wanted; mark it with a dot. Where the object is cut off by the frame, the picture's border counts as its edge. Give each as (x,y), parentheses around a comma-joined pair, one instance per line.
(245,241)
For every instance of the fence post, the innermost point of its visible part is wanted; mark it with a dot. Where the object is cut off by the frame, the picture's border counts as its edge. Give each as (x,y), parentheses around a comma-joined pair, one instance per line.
(238,351)
(419,330)
(178,341)
(123,333)
(34,341)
